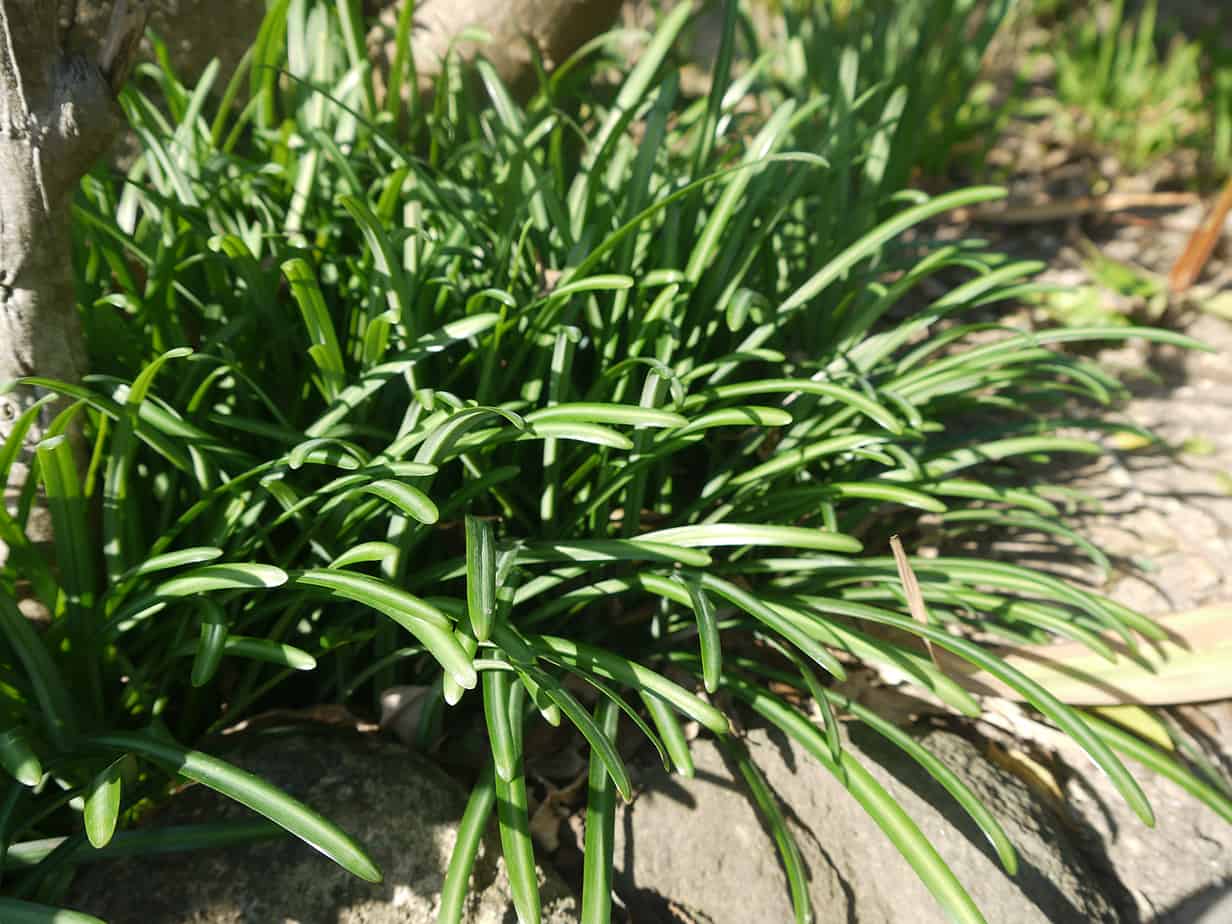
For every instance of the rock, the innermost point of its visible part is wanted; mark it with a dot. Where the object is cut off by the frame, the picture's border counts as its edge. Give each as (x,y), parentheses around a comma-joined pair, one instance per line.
(700,843)
(512,28)
(195,31)
(1173,873)
(1210,906)
(401,809)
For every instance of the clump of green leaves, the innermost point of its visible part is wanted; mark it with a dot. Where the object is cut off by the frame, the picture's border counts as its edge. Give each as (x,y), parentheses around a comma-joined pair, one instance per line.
(1119,294)
(1219,81)
(610,390)
(898,79)
(1117,91)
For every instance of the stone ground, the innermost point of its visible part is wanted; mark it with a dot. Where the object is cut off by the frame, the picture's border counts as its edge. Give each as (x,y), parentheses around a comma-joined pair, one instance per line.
(1161,508)
(404,811)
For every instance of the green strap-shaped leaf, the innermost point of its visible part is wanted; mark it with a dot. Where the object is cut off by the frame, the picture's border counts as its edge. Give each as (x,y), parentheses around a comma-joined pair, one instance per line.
(19,759)
(13,911)
(620,414)
(143,843)
(441,440)
(871,242)
(784,840)
(55,705)
(229,576)
(382,596)
(953,783)
(771,136)
(894,494)
(466,848)
(632,92)
(210,646)
(600,843)
(880,805)
(1156,760)
(252,791)
(586,550)
(74,554)
(707,634)
(417,616)
(259,649)
(774,620)
(878,651)
(396,369)
(451,690)
(366,552)
(709,535)
(119,464)
(792,459)
(177,559)
(838,393)
(496,687)
(605,664)
(480,576)
(15,441)
(153,430)
(1066,718)
(942,774)
(397,290)
(513,821)
(670,730)
(600,744)
(103,803)
(747,416)
(582,433)
(341,454)
(407,498)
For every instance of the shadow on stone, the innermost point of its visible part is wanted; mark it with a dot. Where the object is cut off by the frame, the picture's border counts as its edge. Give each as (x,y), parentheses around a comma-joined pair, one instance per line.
(1212,905)
(719,858)
(403,810)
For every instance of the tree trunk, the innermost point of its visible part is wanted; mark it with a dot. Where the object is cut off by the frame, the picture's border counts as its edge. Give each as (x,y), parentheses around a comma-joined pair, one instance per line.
(58,114)
(556,28)
(196,31)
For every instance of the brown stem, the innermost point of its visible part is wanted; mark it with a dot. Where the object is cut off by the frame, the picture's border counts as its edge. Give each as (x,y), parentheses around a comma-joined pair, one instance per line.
(1188,266)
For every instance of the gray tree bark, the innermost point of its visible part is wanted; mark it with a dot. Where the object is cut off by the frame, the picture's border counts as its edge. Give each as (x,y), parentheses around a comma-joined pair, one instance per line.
(58,114)
(197,31)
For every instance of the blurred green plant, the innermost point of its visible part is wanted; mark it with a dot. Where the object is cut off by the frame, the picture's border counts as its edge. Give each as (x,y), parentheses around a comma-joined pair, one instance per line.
(897,79)
(1116,90)
(1119,294)
(608,387)
(1218,67)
